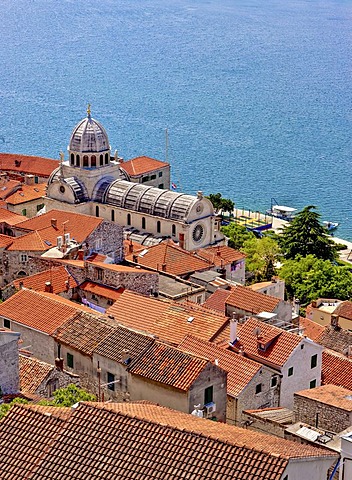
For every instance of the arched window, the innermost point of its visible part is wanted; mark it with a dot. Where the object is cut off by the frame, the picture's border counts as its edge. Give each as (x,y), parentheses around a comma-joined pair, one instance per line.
(128,219)
(112,215)
(85,160)
(158,226)
(97,211)
(173,230)
(143,223)
(106,158)
(72,159)
(93,161)
(101,160)
(77,161)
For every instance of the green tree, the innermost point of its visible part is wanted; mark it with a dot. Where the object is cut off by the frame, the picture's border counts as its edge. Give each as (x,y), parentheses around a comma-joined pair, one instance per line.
(308,278)
(237,235)
(306,236)
(225,205)
(68,396)
(261,256)
(5,407)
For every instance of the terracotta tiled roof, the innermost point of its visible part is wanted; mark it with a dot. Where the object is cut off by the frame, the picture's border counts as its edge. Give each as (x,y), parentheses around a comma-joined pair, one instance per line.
(121,268)
(344,310)
(336,370)
(221,255)
(33,242)
(7,187)
(59,278)
(246,299)
(140,165)
(277,353)
(41,311)
(10,218)
(83,332)
(25,437)
(311,329)
(27,193)
(240,370)
(96,257)
(5,240)
(79,226)
(330,395)
(336,339)
(168,365)
(123,338)
(13,162)
(203,429)
(169,321)
(176,260)
(101,290)
(32,373)
(217,300)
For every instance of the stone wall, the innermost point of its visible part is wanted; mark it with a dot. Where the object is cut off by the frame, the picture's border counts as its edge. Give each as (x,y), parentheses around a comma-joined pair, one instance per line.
(321,415)
(9,363)
(56,379)
(107,239)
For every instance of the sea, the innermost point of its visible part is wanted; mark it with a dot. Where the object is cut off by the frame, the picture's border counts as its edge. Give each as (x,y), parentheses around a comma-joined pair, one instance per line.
(255,96)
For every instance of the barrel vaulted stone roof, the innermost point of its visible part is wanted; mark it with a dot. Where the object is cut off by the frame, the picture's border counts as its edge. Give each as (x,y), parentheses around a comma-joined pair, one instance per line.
(40,166)
(139,165)
(169,321)
(240,370)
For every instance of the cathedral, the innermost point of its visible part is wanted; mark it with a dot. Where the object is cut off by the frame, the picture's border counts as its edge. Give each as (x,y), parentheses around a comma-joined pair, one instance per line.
(93,182)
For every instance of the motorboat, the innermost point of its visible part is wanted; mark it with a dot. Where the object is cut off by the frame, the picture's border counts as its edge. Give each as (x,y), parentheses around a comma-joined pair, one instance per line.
(283,212)
(330,225)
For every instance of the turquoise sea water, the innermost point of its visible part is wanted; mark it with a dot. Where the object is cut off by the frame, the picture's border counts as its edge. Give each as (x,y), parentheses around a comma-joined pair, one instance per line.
(256,95)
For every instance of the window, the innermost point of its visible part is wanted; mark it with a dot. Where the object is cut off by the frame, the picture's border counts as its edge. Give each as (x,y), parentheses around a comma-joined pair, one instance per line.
(208,395)
(313,361)
(23,258)
(70,360)
(173,230)
(24,212)
(128,219)
(313,384)
(72,159)
(152,177)
(97,211)
(143,223)
(112,215)
(258,388)
(273,382)
(36,179)
(145,179)
(302,346)
(77,161)
(290,372)
(111,378)
(7,323)
(158,226)
(100,274)
(109,302)
(101,160)
(286,477)
(40,206)
(160,174)
(85,160)
(161,186)
(199,299)
(93,161)
(106,158)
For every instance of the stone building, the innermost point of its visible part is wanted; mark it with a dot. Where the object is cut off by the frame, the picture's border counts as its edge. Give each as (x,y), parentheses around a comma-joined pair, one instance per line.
(9,369)
(92,182)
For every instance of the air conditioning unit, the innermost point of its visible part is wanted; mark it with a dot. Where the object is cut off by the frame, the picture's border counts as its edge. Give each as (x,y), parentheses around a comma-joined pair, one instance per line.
(59,241)
(67,238)
(210,409)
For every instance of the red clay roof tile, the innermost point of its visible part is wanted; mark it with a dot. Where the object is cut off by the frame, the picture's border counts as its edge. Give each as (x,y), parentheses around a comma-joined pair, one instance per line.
(140,165)
(246,299)
(336,370)
(13,162)
(59,277)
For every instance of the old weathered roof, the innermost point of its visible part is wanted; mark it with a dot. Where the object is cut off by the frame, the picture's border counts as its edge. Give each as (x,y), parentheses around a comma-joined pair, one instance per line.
(336,369)
(13,162)
(330,395)
(217,300)
(170,321)
(139,165)
(344,310)
(101,290)
(27,193)
(240,370)
(10,218)
(59,277)
(246,299)
(168,365)
(32,373)
(221,255)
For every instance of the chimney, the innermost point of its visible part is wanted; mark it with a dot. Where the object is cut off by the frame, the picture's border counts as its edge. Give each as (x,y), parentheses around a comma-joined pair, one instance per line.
(130,247)
(218,253)
(54,222)
(314,304)
(80,254)
(181,240)
(48,287)
(135,259)
(29,179)
(163,267)
(126,357)
(59,363)
(21,285)
(296,304)
(233,330)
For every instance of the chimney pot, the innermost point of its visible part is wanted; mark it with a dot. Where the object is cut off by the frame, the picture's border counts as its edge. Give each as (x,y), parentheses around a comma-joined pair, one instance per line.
(48,287)
(163,267)
(54,222)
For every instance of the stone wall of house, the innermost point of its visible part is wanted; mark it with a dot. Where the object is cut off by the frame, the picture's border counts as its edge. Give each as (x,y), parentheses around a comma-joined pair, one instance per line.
(16,264)
(119,391)
(214,376)
(56,379)
(9,363)
(326,417)
(264,425)
(107,239)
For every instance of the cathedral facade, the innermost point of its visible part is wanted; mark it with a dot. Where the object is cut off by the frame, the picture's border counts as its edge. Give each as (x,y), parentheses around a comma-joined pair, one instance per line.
(92,182)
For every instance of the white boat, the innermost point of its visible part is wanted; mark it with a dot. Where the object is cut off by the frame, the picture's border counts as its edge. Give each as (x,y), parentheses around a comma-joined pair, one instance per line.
(330,225)
(283,212)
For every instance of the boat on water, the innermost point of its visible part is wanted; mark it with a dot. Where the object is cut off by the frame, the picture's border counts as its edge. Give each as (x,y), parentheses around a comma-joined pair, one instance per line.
(330,225)
(281,211)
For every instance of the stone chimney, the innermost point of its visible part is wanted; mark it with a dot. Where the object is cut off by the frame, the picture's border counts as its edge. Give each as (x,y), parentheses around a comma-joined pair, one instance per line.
(130,247)
(181,240)
(163,267)
(29,179)
(59,363)
(80,254)
(54,222)
(48,287)
(233,330)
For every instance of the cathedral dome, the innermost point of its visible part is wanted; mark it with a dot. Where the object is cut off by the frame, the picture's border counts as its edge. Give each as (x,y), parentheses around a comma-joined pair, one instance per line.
(89,136)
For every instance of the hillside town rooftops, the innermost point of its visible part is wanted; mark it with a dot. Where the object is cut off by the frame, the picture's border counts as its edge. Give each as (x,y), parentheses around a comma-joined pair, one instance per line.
(5,241)
(170,321)
(26,193)
(217,300)
(336,369)
(59,278)
(13,162)
(139,165)
(11,218)
(221,255)
(240,370)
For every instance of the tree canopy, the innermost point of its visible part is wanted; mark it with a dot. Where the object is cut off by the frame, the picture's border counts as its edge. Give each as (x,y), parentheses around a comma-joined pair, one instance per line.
(261,256)
(237,235)
(220,203)
(305,235)
(68,396)
(308,278)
